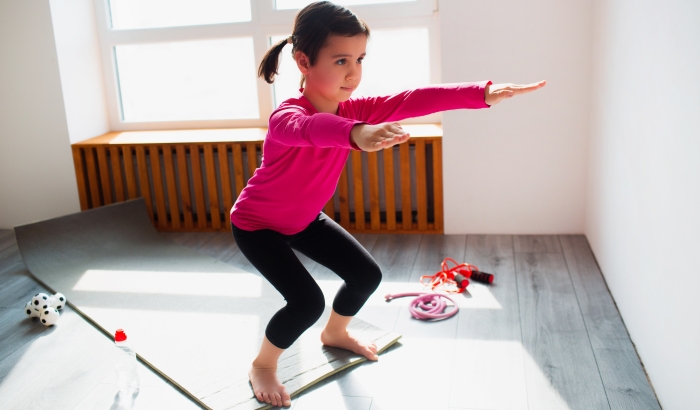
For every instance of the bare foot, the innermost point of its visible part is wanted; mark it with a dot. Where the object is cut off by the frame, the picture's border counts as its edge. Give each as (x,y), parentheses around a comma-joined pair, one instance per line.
(267,387)
(346,341)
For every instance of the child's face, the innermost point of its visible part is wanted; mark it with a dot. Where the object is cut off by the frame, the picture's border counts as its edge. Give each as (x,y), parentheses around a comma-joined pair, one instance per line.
(338,68)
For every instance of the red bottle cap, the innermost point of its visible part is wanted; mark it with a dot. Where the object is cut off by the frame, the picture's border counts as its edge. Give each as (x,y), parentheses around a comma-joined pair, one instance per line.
(120,336)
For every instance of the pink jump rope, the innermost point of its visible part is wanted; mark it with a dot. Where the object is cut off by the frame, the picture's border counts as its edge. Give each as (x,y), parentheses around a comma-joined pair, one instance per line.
(431,306)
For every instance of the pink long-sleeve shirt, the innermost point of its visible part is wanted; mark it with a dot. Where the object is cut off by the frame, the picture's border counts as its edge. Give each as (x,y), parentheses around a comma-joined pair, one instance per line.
(304,151)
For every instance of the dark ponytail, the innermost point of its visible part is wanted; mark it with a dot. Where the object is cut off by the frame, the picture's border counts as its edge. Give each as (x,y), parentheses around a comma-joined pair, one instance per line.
(312,26)
(270,63)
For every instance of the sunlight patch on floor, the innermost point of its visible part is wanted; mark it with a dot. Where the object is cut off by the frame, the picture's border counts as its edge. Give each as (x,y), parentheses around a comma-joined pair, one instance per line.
(171,283)
(230,338)
(444,373)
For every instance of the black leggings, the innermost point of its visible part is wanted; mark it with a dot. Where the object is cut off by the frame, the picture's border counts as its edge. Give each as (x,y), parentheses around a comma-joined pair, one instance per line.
(325,242)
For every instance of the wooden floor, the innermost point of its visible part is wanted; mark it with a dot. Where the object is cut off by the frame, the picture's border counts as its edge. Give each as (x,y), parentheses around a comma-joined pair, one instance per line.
(545,335)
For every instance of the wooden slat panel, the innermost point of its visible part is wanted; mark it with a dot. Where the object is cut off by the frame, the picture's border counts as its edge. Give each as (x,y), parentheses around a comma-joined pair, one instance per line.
(143,178)
(117,173)
(389,192)
(210,168)
(238,176)
(92,178)
(421,185)
(251,147)
(373,177)
(105,184)
(198,185)
(158,186)
(94,192)
(80,177)
(405,163)
(172,186)
(437,186)
(184,185)
(359,191)
(344,198)
(225,182)
(131,187)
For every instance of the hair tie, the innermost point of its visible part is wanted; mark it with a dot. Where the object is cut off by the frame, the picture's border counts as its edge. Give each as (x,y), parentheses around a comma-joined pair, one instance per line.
(290,39)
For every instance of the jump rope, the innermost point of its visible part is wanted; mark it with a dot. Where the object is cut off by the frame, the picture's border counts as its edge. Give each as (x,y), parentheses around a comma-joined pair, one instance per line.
(431,305)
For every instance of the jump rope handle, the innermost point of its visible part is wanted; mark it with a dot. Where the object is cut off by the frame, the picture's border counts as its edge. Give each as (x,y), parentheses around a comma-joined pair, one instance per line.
(482,277)
(461,280)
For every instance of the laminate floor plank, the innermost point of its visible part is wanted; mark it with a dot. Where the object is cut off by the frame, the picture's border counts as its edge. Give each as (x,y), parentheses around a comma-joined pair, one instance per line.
(7,239)
(561,370)
(10,258)
(434,249)
(625,383)
(396,255)
(16,330)
(367,240)
(17,287)
(489,365)
(536,244)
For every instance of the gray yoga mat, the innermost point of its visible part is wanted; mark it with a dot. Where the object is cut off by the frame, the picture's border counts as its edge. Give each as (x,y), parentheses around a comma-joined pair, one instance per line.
(196,320)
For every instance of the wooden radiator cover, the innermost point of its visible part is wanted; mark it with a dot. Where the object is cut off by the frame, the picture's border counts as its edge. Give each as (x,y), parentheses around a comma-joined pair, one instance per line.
(395,190)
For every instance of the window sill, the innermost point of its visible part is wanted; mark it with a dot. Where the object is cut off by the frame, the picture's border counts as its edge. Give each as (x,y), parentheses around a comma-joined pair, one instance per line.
(219,135)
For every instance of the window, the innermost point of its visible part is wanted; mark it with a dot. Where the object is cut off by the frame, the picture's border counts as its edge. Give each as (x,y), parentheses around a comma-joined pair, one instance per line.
(178,64)
(136,14)
(192,80)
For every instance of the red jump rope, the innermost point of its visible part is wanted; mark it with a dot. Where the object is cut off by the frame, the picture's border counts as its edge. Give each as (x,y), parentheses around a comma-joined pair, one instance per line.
(431,306)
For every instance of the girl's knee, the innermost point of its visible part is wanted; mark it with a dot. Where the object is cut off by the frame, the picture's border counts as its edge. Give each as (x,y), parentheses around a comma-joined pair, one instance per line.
(372,277)
(308,306)
(316,308)
(363,278)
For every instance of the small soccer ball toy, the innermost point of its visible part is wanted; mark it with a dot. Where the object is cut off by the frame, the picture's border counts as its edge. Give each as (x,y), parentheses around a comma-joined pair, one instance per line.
(29,310)
(57,301)
(45,307)
(40,301)
(49,316)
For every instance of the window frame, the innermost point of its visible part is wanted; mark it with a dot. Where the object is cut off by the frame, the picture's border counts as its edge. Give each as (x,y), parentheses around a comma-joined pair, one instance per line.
(265,22)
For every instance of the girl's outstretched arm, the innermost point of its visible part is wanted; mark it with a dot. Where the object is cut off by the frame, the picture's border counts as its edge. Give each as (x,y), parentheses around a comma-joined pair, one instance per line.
(384,135)
(429,99)
(495,93)
(416,102)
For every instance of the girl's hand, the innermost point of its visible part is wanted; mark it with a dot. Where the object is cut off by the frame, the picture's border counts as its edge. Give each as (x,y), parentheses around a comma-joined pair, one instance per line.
(375,137)
(496,92)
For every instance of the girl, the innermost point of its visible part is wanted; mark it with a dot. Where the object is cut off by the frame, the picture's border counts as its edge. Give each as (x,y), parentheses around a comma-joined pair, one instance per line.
(306,147)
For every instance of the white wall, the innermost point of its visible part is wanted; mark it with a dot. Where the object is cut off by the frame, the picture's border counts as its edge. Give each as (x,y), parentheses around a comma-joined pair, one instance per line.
(643,219)
(520,166)
(37,180)
(79,63)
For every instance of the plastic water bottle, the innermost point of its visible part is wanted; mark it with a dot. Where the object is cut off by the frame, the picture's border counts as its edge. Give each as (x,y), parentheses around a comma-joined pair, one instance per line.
(127,378)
